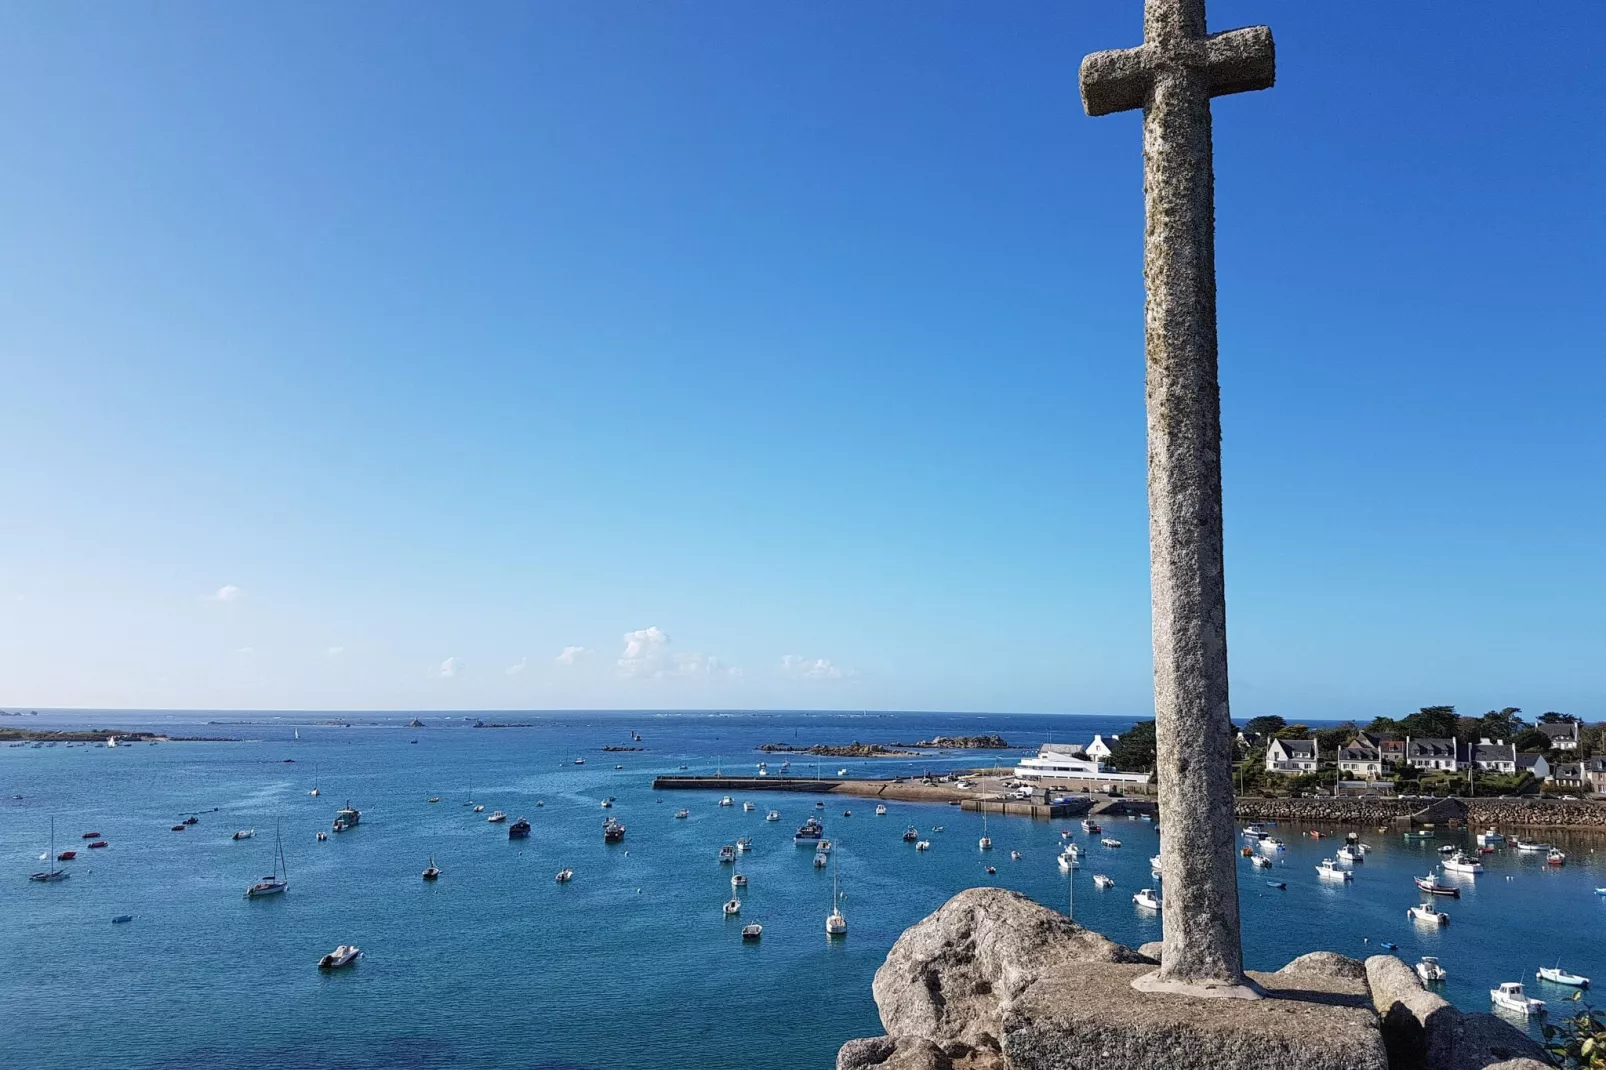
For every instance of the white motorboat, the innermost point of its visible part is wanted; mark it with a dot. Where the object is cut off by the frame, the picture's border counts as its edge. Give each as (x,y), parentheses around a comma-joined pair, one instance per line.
(340,957)
(1427,912)
(276,882)
(1555,858)
(1348,853)
(497,817)
(726,800)
(1329,870)
(1490,838)
(1260,862)
(748,808)
(820,859)
(1068,862)
(738,880)
(1462,863)
(1429,970)
(1110,841)
(881,809)
(773,815)
(1272,844)
(479,808)
(579,761)
(1154,864)
(682,814)
(1558,976)
(1254,832)
(842,772)
(745,843)
(727,853)
(733,908)
(752,932)
(1529,846)
(1100,880)
(922,845)
(1511,997)
(245,834)
(607,804)
(1147,898)
(564,876)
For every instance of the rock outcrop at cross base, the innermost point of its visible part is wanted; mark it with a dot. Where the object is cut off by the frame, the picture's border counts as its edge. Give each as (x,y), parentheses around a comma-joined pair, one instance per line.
(994,981)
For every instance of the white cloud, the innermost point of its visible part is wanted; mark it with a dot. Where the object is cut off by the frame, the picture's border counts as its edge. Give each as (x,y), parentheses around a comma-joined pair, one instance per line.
(334,652)
(227,593)
(572,654)
(515,670)
(645,652)
(812,668)
(451,667)
(245,650)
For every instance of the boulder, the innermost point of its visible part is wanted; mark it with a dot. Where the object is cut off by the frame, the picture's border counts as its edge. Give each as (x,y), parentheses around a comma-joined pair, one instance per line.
(1423,1031)
(949,975)
(1152,949)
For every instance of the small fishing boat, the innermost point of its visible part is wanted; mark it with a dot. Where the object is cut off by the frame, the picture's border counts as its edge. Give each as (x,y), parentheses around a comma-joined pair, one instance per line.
(738,880)
(1387,945)
(346,818)
(497,817)
(1329,870)
(727,853)
(847,813)
(1448,848)
(1068,863)
(922,845)
(733,907)
(682,814)
(1254,832)
(1260,862)
(1555,858)
(579,761)
(911,834)
(1347,853)
(1490,838)
(1428,968)
(936,828)
(1147,898)
(1419,834)
(744,843)
(66,856)
(564,876)
(433,799)
(1154,864)
(322,836)
(1014,856)
(1430,884)
(726,800)
(991,870)
(810,832)
(90,836)
(98,844)
(821,859)
(244,834)
(1427,912)
(842,772)
(1462,863)
(1529,846)
(1100,880)
(1277,884)
(178,828)
(1110,841)
(1271,845)
(1558,976)
(432,871)
(607,804)
(612,831)
(479,808)
(122,919)
(1511,997)
(752,932)
(340,957)
(748,807)
(773,815)
(881,809)
(1091,827)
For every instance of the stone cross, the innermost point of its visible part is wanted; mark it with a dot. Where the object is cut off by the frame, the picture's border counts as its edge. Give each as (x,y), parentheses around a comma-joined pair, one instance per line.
(1172,77)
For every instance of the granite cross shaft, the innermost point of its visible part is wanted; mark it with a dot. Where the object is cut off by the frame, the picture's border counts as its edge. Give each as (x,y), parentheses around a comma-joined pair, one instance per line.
(1172,77)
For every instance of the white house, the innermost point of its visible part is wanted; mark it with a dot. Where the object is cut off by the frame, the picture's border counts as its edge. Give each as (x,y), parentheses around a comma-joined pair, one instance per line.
(1562,736)
(1497,757)
(1098,749)
(1360,757)
(1291,756)
(1062,761)
(1429,753)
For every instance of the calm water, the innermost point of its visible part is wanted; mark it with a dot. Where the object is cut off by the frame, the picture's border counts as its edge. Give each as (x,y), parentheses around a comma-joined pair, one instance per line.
(632,963)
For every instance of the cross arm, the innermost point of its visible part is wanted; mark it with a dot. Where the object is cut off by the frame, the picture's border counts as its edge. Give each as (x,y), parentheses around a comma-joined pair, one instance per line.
(1239,61)
(1235,61)
(1116,80)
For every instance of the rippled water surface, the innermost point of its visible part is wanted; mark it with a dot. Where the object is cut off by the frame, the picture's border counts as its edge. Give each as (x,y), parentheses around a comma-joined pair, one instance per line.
(632,964)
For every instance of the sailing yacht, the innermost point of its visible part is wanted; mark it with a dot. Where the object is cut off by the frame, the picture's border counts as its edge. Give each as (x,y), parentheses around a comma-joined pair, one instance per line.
(433,872)
(314,792)
(836,924)
(276,882)
(49,874)
(986,841)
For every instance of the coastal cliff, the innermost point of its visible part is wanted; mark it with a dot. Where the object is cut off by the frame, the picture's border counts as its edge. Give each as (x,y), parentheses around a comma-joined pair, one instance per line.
(995,981)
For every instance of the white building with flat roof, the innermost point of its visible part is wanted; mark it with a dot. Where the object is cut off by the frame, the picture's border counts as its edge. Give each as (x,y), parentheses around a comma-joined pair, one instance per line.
(1060,761)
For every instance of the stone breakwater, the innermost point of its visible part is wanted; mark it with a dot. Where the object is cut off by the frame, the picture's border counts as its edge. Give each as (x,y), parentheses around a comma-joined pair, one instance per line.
(1538,813)
(993,981)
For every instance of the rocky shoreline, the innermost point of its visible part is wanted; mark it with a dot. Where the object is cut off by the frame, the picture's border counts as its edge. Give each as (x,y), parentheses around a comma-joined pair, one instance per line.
(839,750)
(988,742)
(1538,813)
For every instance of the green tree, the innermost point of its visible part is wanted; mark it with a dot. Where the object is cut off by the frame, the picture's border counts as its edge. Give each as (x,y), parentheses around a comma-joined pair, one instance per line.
(1552,717)
(1386,726)
(1436,722)
(1531,740)
(1330,739)
(1294,731)
(1501,724)
(1267,724)
(1134,751)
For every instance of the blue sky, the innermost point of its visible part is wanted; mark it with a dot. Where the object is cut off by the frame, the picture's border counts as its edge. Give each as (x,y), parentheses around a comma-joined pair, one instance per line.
(780,355)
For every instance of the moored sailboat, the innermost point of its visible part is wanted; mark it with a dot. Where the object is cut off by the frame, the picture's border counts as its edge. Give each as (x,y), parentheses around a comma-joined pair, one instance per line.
(47,875)
(276,882)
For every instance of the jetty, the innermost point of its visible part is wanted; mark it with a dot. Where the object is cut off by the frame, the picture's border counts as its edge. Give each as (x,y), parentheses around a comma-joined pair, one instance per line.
(901,789)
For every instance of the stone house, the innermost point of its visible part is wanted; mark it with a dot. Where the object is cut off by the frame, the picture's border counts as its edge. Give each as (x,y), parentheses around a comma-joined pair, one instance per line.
(1291,756)
(1433,754)
(1595,774)
(1567,775)
(1496,757)
(1362,758)
(1562,736)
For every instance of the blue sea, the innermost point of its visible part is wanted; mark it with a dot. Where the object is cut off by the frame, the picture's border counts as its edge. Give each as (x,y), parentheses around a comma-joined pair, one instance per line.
(632,963)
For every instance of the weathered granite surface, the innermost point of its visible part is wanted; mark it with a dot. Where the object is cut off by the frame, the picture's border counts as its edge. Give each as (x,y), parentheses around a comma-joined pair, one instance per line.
(994,981)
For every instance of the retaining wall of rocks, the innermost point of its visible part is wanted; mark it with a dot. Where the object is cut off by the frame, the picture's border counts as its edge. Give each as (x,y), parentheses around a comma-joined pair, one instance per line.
(1539,813)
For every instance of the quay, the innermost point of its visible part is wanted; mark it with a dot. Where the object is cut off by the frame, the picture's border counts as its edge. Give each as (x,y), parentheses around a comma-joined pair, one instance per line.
(984,797)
